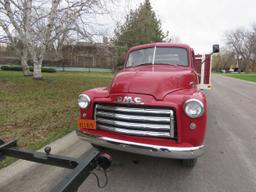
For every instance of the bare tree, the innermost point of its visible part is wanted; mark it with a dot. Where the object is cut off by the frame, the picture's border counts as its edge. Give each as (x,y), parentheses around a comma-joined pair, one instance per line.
(39,25)
(39,37)
(224,60)
(19,17)
(13,22)
(243,44)
(252,40)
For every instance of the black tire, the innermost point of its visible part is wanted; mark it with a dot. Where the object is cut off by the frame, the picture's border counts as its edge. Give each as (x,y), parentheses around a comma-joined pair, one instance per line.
(188,163)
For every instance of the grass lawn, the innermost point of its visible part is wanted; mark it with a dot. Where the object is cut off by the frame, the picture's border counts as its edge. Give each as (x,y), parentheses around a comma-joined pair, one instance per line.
(247,77)
(38,112)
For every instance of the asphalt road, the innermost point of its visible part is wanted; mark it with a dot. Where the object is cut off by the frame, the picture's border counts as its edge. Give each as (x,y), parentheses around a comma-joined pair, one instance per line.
(228,165)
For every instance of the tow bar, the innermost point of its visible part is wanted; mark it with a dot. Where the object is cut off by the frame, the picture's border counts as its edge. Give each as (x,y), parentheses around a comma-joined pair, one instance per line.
(82,167)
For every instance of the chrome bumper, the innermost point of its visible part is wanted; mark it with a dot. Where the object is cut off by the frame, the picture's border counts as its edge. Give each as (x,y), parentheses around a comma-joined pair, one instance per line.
(144,149)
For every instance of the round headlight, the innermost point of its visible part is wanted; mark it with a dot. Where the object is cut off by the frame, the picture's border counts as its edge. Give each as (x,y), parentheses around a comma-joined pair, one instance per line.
(83,101)
(194,108)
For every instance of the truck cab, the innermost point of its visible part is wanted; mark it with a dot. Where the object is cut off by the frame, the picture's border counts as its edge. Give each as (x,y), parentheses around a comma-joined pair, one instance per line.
(154,106)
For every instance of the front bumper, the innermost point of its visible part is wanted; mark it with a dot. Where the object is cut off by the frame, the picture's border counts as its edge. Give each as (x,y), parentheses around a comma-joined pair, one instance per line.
(144,149)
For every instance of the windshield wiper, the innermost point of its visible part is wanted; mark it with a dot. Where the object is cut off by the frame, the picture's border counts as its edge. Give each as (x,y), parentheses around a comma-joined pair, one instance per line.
(144,64)
(172,64)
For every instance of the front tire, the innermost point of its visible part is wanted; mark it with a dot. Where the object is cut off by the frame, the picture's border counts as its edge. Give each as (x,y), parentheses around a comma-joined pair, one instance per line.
(188,163)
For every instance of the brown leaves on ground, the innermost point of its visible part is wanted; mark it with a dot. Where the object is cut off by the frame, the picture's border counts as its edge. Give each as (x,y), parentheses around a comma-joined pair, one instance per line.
(37,112)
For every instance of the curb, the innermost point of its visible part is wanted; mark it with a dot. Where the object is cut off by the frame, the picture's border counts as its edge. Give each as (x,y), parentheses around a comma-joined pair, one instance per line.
(19,167)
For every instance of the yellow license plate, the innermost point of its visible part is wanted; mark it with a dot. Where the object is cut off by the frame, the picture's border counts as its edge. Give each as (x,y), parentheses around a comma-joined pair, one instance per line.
(86,124)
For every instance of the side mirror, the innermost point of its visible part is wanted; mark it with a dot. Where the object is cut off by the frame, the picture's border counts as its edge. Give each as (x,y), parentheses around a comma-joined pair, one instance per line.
(216,48)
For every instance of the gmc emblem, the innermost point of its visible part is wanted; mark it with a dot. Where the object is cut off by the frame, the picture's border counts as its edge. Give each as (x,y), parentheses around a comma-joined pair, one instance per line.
(129,99)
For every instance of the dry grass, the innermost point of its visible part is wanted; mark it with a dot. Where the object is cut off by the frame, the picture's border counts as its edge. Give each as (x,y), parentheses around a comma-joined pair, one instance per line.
(38,112)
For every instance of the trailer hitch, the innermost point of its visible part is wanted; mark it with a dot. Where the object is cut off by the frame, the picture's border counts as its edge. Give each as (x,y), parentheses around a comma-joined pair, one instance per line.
(82,167)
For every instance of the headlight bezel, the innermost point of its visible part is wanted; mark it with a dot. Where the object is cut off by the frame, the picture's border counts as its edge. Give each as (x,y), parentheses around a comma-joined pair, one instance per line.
(84,101)
(200,104)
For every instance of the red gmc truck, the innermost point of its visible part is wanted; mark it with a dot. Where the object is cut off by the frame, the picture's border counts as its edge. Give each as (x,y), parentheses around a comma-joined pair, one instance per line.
(154,106)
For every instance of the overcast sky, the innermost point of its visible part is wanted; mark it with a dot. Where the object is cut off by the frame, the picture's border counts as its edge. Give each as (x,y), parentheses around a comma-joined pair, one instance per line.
(199,23)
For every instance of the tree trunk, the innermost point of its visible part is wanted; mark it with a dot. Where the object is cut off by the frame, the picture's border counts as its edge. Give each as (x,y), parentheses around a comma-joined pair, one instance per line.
(37,62)
(38,58)
(24,62)
(37,74)
(37,65)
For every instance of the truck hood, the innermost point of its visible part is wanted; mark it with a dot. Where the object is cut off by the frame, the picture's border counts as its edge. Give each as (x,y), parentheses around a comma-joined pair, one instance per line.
(157,83)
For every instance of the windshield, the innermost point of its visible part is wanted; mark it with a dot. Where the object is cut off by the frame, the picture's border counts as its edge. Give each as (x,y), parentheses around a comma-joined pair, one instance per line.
(163,55)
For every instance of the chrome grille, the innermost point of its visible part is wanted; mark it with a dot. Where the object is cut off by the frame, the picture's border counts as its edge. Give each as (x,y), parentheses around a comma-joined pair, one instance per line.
(136,120)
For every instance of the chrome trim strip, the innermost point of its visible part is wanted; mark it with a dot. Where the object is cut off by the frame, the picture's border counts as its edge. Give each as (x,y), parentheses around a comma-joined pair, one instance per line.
(172,121)
(134,132)
(134,110)
(133,117)
(145,149)
(141,126)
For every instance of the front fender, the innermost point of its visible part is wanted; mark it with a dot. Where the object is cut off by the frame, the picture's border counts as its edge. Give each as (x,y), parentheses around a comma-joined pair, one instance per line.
(184,132)
(101,92)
